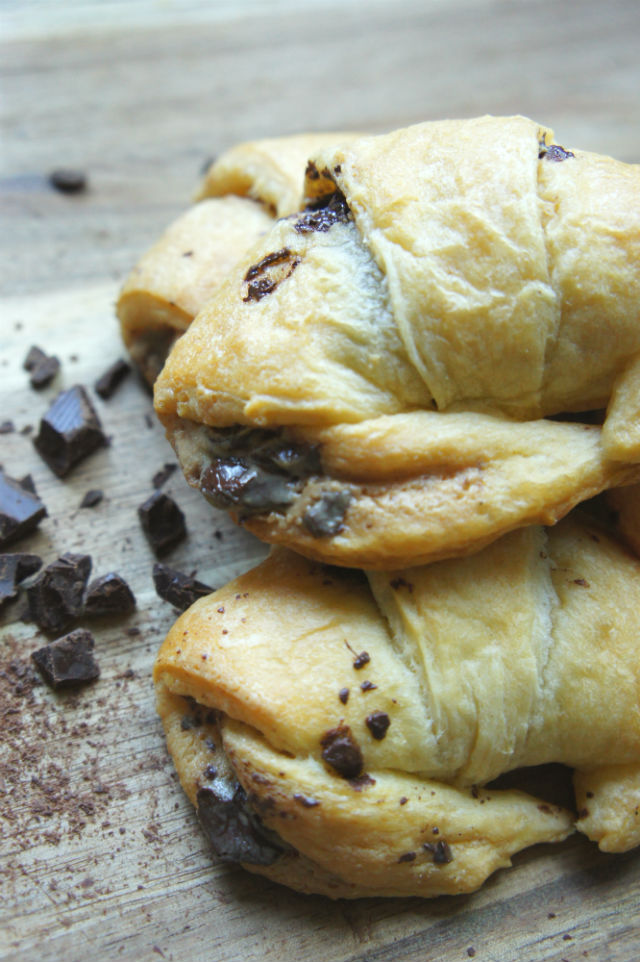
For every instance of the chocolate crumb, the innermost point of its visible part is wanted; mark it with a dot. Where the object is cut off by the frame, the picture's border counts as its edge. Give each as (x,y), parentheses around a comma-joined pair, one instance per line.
(343,695)
(361,660)
(43,367)
(367,686)
(162,522)
(109,595)
(441,852)
(108,382)
(163,475)
(341,751)
(68,661)
(68,181)
(69,431)
(403,800)
(7,427)
(397,583)
(21,510)
(55,598)
(407,857)
(92,498)
(305,801)
(179,589)
(378,722)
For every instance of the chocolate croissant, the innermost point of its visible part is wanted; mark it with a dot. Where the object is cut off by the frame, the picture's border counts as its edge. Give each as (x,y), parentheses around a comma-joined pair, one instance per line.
(241,194)
(422,359)
(343,733)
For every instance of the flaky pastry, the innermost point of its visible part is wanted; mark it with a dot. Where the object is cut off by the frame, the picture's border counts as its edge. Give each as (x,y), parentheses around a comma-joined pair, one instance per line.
(241,194)
(342,734)
(409,367)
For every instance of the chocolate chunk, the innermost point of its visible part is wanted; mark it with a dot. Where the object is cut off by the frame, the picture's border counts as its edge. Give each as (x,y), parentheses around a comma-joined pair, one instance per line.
(233,828)
(21,510)
(163,474)
(7,427)
(55,598)
(229,483)
(68,661)
(93,497)
(554,153)
(109,595)
(162,522)
(441,852)
(14,568)
(69,431)
(68,181)
(325,516)
(179,589)
(43,374)
(28,484)
(107,383)
(342,752)
(377,723)
(323,213)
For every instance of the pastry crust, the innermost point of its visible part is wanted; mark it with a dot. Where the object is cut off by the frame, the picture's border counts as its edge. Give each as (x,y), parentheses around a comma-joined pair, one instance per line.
(465,278)
(443,677)
(236,204)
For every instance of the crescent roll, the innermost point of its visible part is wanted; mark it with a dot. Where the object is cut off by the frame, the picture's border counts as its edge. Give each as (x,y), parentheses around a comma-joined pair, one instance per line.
(343,733)
(241,194)
(443,346)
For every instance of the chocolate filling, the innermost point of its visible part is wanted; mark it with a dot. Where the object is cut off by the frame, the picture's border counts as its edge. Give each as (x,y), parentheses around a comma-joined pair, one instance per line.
(323,213)
(233,828)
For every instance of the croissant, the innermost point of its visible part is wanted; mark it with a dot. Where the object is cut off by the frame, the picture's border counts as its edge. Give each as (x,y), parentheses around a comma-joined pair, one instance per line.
(341,733)
(422,359)
(241,194)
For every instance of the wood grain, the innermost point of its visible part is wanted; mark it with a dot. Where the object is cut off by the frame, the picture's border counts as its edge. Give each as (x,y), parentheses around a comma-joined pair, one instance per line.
(100,852)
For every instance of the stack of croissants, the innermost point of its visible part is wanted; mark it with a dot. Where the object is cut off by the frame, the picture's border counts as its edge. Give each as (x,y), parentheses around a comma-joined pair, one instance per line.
(411,363)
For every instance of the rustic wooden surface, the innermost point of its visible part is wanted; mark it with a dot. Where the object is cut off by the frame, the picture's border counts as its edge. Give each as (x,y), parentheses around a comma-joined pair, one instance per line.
(100,852)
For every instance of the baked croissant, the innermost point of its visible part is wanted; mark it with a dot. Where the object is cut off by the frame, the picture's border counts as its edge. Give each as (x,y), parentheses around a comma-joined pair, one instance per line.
(373,384)
(339,733)
(241,194)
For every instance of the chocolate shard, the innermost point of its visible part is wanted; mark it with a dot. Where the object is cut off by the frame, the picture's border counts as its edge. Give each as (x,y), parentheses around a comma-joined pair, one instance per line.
(21,510)
(69,431)
(109,595)
(35,356)
(234,830)
(68,661)
(93,497)
(341,751)
(67,180)
(14,568)
(110,380)
(55,599)
(163,474)
(179,589)
(162,522)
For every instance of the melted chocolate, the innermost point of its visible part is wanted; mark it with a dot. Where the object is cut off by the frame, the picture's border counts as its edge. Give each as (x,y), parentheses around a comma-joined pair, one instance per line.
(233,828)
(325,516)
(323,213)
(341,751)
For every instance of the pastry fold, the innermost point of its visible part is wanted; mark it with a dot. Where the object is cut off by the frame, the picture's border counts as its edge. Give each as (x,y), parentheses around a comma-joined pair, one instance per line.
(466,279)
(342,733)
(241,194)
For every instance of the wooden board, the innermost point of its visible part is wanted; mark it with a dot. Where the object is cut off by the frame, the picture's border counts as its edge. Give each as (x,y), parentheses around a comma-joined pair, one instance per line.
(100,852)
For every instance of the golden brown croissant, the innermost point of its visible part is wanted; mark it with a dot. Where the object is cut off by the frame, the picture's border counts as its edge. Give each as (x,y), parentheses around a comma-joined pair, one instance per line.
(340,733)
(373,383)
(242,192)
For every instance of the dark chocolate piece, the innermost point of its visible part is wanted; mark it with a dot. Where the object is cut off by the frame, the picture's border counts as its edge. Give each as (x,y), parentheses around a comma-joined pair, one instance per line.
(28,484)
(342,752)
(554,153)
(234,483)
(69,431)
(68,181)
(108,383)
(343,695)
(7,427)
(68,661)
(361,660)
(378,722)
(109,595)
(441,852)
(56,596)
(179,589)
(325,516)
(93,497)
(233,828)
(323,213)
(43,373)
(367,686)
(162,522)
(163,474)
(21,510)
(35,356)
(14,568)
